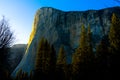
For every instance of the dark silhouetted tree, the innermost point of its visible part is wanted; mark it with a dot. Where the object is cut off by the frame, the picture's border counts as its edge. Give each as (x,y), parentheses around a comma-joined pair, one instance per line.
(45,60)
(39,56)
(114,39)
(6,35)
(61,64)
(82,49)
(61,59)
(114,34)
(51,62)
(90,53)
(6,39)
(75,66)
(80,55)
(22,75)
(102,59)
(90,56)
(82,61)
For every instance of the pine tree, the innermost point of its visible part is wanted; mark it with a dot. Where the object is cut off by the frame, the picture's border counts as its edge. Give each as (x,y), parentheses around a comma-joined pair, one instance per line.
(39,56)
(21,75)
(114,39)
(102,50)
(31,76)
(45,60)
(90,54)
(52,63)
(46,57)
(61,60)
(102,58)
(41,59)
(81,51)
(82,60)
(114,34)
(52,58)
(61,64)
(79,57)
(75,64)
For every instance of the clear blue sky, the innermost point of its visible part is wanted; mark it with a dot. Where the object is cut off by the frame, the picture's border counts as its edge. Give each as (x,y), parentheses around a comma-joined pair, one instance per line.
(20,13)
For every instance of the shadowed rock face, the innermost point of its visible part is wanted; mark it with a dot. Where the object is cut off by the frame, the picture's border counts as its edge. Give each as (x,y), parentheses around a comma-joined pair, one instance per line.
(63,28)
(15,55)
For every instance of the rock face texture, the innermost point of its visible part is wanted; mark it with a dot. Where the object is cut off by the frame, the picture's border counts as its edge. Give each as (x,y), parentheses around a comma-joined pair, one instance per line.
(63,28)
(15,55)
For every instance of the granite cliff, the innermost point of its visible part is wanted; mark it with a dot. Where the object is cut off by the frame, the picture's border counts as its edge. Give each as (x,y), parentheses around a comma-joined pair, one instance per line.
(63,28)
(16,53)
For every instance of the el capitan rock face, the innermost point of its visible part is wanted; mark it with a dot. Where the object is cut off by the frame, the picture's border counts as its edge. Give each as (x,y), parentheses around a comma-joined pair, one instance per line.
(16,53)
(63,28)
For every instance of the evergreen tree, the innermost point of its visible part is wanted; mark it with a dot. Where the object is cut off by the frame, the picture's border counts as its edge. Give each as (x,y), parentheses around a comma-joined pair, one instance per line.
(46,57)
(79,57)
(52,58)
(75,65)
(31,75)
(90,54)
(45,60)
(39,56)
(61,64)
(114,34)
(40,65)
(114,39)
(102,50)
(18,75)
(21,75)
(82,61)
(81,51)
(102,60)
(83,39)
(61,60)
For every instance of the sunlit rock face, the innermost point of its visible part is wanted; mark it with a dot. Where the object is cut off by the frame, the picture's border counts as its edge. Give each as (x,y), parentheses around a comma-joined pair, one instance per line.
(63,28)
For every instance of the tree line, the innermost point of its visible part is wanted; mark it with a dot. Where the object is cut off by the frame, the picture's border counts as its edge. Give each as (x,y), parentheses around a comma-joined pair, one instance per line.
(103,63)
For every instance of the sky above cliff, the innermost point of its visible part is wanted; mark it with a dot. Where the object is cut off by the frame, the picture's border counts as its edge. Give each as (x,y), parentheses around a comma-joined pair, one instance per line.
(20,13)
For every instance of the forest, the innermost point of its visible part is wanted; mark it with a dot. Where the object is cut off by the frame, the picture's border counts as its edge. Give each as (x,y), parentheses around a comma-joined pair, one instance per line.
(101,63)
